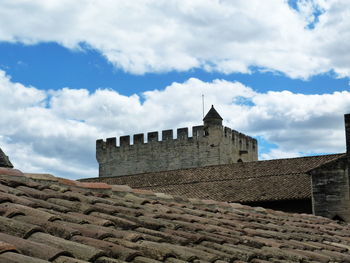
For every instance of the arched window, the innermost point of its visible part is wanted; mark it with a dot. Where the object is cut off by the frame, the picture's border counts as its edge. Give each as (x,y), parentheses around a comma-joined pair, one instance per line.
(239,161)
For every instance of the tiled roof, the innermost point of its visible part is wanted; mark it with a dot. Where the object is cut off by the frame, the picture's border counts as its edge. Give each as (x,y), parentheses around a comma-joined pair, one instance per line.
(4,160)
(280,179)
(49,219)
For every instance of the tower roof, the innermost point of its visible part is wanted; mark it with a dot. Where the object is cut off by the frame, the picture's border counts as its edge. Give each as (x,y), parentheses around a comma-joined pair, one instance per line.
(4,160)
(212,114)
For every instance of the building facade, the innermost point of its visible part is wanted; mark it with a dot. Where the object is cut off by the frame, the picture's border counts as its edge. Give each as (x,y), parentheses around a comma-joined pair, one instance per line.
(315,184)
(210,144)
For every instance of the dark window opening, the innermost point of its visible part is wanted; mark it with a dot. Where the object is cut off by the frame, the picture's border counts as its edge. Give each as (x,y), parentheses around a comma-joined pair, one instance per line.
(291,206)
(239,161)
(338,218)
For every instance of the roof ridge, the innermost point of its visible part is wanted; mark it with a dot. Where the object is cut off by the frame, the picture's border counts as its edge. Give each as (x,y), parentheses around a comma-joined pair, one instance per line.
(304,157)
(93,186)
(220,180)
(216,165)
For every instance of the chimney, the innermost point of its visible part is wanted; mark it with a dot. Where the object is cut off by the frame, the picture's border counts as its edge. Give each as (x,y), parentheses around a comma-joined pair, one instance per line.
(347,135)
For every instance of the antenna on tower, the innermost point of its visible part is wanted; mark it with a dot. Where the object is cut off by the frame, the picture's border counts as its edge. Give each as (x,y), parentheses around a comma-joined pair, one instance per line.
(203,104)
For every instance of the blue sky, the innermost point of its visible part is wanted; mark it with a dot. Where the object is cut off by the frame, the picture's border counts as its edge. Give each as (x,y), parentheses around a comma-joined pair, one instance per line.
(71,73)
(51,66)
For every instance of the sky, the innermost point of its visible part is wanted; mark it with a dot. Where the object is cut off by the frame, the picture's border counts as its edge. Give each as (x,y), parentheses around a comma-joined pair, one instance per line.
(72,72)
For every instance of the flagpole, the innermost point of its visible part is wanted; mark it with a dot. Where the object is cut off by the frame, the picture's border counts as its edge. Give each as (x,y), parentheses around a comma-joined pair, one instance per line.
(203,105)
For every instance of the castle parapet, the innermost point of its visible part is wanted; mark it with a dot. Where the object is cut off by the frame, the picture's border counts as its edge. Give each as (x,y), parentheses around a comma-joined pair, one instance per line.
(210,144)
(198,131)
(152,136)
(167,135)
(241,140)
(124,140)
(111,142)
(244,143)
(228,132)
(139,138)
(182,133)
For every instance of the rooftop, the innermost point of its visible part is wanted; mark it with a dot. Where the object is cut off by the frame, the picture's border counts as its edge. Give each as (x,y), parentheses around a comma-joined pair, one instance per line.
(238,182)
(48,219)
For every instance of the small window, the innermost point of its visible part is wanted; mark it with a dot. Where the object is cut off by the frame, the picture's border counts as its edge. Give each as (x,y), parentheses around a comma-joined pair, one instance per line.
(239,161)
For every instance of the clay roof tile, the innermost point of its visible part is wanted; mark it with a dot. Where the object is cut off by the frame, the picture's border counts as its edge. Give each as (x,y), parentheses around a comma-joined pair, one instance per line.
(238,182)
(5,247)
(81,225)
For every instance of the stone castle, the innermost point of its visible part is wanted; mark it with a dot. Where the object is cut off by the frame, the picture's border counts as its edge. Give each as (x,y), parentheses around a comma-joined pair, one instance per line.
(210,144)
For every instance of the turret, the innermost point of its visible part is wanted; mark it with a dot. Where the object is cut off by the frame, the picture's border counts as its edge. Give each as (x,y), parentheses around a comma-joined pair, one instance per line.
(212,118)
(210,144)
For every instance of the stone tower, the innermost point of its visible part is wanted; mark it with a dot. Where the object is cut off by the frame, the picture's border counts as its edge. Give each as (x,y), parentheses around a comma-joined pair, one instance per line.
(212,118)
(210,144)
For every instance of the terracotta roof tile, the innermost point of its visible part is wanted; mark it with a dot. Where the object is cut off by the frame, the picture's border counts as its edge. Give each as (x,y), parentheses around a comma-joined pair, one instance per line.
(33,249)
(281,179)
(5,247)
(78,250)
(10,257)
(95,185)
(41,223)
(17,228)
(48,177)
(9,171)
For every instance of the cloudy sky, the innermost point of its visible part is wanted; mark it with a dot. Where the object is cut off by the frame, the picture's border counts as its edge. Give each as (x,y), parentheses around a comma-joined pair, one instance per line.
(72,72)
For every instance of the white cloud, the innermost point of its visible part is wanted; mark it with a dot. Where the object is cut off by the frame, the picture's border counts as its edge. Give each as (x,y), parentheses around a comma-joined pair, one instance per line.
(278,154)
(55,131)
(156,36)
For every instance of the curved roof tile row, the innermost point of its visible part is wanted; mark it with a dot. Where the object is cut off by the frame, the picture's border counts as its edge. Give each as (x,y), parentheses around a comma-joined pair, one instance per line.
(238,182)
(49,219)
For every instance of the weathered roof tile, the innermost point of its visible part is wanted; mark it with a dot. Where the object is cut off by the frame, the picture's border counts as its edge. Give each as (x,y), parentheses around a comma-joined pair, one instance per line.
(100,225)
(16,228)
(6,247)
(10,257)
(281,179)
(33,249)
(111,249)
(78,250)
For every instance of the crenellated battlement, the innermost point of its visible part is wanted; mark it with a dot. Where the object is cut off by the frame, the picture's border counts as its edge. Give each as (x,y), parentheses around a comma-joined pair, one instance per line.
(208,144)
(152,137)
(167,136)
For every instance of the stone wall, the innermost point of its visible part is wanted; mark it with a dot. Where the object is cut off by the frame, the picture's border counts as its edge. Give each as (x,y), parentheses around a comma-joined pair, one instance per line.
(330,190)
(330,184)
(211,146)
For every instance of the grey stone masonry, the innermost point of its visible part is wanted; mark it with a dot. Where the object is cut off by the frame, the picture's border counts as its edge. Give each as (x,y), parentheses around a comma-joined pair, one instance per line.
(210,144)
(4,160)
(330,184)
(330,190)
